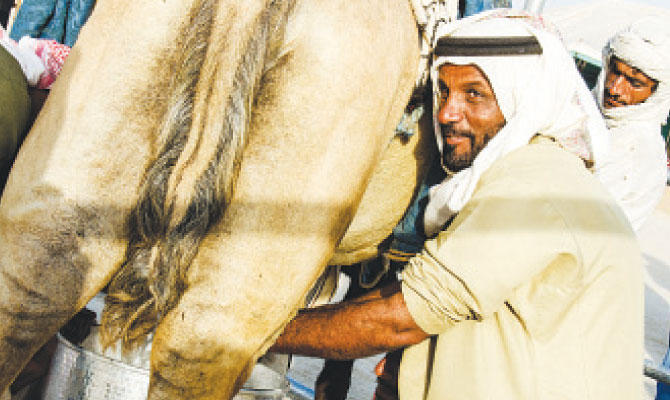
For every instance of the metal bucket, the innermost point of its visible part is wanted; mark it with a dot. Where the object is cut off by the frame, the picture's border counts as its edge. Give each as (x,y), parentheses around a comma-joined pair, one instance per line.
(80,374)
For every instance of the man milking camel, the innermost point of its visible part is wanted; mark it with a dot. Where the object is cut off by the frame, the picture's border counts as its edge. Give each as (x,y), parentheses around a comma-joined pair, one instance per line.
(536,277)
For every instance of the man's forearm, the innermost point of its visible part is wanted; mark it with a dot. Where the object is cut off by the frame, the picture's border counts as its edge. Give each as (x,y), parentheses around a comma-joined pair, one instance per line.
(355,329)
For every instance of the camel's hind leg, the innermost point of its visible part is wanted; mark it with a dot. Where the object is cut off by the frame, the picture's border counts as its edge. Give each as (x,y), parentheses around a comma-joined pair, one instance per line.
(64,211)
(324,114)
(45,276)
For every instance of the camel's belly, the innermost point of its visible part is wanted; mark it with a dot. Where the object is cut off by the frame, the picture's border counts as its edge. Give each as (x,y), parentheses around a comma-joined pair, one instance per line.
(389,193)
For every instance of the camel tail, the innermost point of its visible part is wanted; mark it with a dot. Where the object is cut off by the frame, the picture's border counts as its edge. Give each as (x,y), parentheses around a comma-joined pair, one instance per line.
(218,64)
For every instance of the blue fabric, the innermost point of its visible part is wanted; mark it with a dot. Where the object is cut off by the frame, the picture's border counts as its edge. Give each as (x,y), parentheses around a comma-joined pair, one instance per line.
(408,235)
(477,6)
(663,390)
(59,20)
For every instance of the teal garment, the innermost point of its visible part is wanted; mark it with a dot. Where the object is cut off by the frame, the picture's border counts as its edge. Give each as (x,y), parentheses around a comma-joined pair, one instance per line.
(14,110)
(407,237)
(59,20)
(476,6)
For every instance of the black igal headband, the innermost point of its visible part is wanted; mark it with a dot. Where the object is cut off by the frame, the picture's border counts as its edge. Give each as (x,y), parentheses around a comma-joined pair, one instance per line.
(487,46)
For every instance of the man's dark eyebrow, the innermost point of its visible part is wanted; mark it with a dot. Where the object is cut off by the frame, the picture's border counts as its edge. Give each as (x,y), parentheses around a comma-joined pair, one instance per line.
(477,85)
(635,70)
(474,83)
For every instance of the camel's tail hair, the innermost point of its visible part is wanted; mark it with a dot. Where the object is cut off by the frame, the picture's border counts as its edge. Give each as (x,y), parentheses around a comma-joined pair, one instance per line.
(189,184)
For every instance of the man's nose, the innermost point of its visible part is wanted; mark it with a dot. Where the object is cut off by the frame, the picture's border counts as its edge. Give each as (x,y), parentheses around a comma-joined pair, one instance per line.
(449,112)
(616,86)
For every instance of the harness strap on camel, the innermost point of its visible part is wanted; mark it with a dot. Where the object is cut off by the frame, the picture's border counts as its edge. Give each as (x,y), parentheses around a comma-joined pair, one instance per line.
(428,14)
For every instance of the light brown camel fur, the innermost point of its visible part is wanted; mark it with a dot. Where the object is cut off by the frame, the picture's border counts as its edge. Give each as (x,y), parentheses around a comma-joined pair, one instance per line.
(207,157)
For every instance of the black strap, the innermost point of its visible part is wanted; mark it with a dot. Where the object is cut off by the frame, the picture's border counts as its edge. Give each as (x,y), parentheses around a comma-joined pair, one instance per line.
(488,46)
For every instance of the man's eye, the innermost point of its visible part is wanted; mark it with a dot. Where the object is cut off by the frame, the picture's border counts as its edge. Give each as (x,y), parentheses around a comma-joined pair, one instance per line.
(473,94)
(637,84)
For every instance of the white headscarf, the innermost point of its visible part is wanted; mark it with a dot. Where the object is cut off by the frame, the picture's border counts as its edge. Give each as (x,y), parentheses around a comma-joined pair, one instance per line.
(537,94)
(636,170)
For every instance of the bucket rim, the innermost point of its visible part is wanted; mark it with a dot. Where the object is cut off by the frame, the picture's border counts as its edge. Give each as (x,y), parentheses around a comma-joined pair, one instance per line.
(99,357)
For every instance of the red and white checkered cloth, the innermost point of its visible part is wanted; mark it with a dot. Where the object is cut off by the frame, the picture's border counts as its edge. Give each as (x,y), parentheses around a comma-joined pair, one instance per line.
(41,59)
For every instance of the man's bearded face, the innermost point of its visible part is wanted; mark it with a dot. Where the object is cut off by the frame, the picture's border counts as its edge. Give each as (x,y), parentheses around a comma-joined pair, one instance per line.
(469,115)
(626,85)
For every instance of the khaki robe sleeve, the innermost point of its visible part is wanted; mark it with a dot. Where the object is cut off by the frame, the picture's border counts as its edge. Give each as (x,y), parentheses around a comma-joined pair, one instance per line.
(506,235)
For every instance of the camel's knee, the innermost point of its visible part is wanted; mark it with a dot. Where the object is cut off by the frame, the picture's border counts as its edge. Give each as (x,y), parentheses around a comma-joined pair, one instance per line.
(28,317)
(193,354)
(41,276)
(30,308)
(39,290)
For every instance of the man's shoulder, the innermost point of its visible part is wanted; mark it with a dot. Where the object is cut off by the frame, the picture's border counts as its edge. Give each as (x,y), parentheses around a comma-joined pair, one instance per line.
(540,165)
(545,176)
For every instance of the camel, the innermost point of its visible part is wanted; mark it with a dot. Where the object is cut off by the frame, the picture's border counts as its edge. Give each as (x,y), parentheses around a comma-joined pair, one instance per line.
(206,160)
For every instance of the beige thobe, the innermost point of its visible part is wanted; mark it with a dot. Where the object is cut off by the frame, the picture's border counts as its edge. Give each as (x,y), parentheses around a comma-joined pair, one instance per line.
(534,291)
